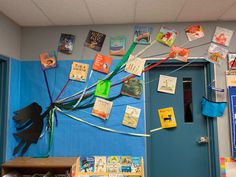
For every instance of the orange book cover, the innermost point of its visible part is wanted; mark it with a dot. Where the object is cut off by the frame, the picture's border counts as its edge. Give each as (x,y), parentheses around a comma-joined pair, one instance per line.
(102,63)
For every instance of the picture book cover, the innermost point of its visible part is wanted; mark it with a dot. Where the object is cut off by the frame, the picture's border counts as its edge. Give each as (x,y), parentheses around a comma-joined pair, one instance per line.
(48,60)
(167,117)
(100,164)
(126,163)
(131,116)
(194,32)
(179,53)
(136,166)
(79,71)
(167,84)
(231,79)
(132,87)
(118,45)
(166,36)
(113,164)
(135,65)
(102,108)
(232,61)
(103,88)
(216,53)
(102,63)
(222,36)
(142,34)
(95,40)
(66,43)
(86,164)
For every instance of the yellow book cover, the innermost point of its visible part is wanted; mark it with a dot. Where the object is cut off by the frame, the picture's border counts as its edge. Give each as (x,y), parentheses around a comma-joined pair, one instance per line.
(167,117)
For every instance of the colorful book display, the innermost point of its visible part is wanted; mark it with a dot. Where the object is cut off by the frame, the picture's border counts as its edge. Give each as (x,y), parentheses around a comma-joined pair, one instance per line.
(95,40)
(179,53)
(79,71)
(232,61)
(131,116)
(216,53)
(167,117)
(48,60)
(100,163)
(194,32)
(132,87)
(118,45)
(102,108)
(126,163)
(102,63)
(166,36)
(136,166)
(113,164)
(66,43)
(167,84)
(87,164)
(135,65)
(142,34)
(222,36)
(103,88)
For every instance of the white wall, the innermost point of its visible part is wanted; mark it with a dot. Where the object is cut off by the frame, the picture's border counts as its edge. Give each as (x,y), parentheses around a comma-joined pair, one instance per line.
(36,40)
(10,37)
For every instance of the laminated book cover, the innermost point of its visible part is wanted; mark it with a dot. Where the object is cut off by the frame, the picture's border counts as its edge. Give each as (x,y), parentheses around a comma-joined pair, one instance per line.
(222,36)
(113,164)
(167,84)
(216,53)
(118,45)
(102,63)
(86,164)
(131,116)
(126,163)
(166,36)
(142,34)
(100,164)
(79,71)
(132,87)
(102,108)
(231,78)
(48,60)
(167,117)
(95,40)
(232,61)
(66,43)
(179,53)
(103,88)
(135,65)
(136,166)
(194,32)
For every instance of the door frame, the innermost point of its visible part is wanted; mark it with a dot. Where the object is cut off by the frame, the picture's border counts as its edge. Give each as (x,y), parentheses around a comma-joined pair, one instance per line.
(212,123)
(4,78)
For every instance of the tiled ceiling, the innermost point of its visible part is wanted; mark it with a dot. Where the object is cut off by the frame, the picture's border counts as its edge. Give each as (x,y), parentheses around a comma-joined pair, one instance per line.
(94,12)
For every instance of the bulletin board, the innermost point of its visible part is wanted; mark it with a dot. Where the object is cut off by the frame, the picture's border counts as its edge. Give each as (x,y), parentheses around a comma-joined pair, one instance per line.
(232,103)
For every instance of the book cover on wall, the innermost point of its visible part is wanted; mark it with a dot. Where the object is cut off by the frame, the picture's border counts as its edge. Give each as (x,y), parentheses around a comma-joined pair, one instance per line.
(103,88)
(167,117)
(179,53)
(66,43)
(136,166)
(166,36)
(222,36)
(86,164)
(102,108)
(142,34)
(79,71)
(48,60)
(126,163)
(232,61)
(102,63)
(118,45)
(194,32)
(131,116)
(135,66)
(100,164)
(114,164)
(167,84)
(95,40)
(216,53)
(132,87)
(230,78)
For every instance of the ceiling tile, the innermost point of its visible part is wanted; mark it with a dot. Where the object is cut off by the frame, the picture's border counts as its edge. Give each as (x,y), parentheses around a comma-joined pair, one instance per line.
(24,13)
(154,11)
(204,10)
(112,12)
(66,12)
(229,13)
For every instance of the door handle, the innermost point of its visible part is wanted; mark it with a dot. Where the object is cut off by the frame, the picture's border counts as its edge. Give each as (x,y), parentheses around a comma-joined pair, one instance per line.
(203,140)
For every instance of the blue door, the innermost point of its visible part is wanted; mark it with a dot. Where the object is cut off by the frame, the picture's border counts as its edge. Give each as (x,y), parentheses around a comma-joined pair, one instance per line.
(182,151)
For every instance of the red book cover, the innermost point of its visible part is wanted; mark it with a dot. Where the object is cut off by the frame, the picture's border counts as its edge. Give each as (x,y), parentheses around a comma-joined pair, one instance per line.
(102,63)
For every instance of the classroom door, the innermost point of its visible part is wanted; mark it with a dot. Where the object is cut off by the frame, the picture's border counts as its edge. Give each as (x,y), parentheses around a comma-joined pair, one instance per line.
(182,151)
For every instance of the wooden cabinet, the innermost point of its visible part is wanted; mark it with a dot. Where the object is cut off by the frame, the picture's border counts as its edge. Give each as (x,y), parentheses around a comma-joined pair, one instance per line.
(27,165)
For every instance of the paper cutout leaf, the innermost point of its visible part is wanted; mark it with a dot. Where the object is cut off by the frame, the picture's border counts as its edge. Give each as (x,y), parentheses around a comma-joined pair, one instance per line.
(103,88)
